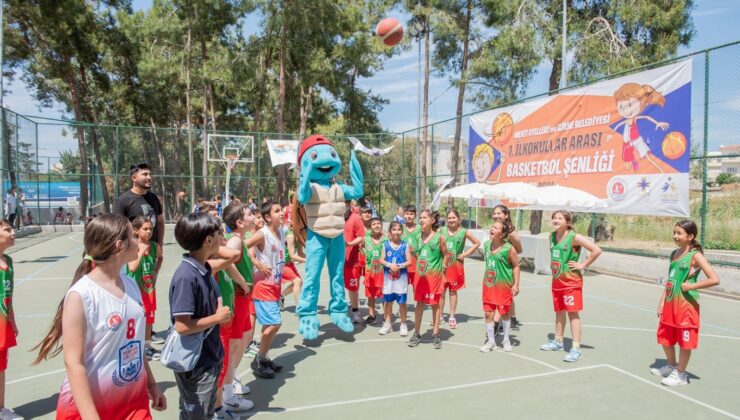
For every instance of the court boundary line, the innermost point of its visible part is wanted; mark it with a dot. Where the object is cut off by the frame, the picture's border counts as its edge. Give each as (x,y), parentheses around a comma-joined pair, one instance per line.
(673,392)
(40,375)
(51,264)
(433,390)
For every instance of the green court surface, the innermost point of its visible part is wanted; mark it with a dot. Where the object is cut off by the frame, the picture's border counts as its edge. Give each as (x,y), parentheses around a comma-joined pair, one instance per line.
(366,375)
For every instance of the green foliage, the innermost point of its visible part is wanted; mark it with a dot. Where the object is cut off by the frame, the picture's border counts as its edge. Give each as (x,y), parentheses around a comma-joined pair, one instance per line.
(725,178)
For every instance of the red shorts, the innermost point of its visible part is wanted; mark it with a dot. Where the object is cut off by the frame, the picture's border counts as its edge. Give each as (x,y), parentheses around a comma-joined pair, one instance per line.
(3,359)
(428,288)
(412,277)
(686,338)
(502,309)
(225,344)
(455,277)
(290,273)
(149,317)
(240,323)
(352,274)
(150,305)
(252,311)
(373,292)
(569,300)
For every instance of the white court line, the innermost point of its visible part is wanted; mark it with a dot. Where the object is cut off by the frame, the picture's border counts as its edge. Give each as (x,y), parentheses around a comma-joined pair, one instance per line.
(511,354)
(28,378)
(607,327)
(432,390)
(671,391)
(50,265)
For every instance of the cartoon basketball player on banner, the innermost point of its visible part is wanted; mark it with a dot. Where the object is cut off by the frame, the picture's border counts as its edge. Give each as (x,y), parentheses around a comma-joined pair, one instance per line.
(632,99)
(486,157)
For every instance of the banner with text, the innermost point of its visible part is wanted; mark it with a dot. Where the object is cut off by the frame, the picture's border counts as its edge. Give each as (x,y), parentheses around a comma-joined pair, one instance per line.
(283,151)
(624,140)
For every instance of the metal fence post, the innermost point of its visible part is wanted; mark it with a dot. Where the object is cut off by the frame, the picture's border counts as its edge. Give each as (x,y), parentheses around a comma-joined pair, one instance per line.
(117,169)
(704,153)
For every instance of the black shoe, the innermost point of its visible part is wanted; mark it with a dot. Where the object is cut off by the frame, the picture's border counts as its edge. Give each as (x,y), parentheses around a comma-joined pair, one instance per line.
(274,366)
(515,324)
(370,320)
(436,341)
(262,369)
(415,340)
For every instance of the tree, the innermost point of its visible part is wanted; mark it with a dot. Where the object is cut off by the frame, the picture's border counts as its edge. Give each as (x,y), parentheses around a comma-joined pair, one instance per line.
(725,178)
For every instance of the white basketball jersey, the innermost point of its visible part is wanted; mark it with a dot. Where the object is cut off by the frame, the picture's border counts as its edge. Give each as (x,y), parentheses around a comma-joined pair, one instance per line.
(273,253)
(114,349)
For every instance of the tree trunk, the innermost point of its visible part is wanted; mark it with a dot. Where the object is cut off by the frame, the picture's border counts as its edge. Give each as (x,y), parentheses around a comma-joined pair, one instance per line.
(77,108)
(460,98)
(188,111)
(425,116)
(162,167)
(280,115)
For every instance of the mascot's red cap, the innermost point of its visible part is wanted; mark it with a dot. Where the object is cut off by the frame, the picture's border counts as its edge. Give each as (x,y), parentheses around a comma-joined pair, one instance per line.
(311,141)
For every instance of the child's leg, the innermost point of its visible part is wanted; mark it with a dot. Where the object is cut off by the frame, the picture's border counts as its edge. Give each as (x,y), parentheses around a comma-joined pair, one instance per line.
(249,336)
(654,164)
(559,325)
(388,312)
(670,354)
(575,328)
(148,335)
(418,313)
(230,367)
(288,290)
(268,334)
(403,311)
(490,328)
(371,306)
(683,360)
(354,299)
(507,326)
(436,314)
(297,283)
(442,300)
(2,389)
(453,303)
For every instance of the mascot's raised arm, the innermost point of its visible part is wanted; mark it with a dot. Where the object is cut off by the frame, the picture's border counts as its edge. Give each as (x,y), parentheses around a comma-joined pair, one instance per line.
(323,201)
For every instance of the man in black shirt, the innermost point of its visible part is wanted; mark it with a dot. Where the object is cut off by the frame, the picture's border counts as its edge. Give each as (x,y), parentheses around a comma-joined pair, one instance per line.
(140,201)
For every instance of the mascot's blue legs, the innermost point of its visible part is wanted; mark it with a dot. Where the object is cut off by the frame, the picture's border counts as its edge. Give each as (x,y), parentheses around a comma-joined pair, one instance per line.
(319,248)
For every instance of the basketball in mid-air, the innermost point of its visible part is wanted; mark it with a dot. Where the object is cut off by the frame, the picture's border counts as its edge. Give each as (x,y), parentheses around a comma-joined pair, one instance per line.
(502,129)
(390,31)
(674,145)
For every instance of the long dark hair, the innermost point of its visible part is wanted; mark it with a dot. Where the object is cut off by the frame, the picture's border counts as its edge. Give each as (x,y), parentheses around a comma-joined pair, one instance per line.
(101,235)
(434,215)
(505,210)
(504,229)
(690,228)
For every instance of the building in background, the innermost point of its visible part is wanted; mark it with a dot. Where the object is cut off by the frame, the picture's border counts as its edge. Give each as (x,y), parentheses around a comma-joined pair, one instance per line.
(723,165)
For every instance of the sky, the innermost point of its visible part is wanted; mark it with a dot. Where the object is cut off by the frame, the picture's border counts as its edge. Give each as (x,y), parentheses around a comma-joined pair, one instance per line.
(398,81)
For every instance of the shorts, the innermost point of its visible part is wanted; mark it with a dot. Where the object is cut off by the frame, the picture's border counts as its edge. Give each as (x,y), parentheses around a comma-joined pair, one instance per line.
(429,288)
(240,323)
(4,359)
(290,273)
(400,298)
(491,307)
(252,311)
(569,300)
(149,317)
(268,312)
(373,292)
(686,338)
(455,277)
(352,274)
(198,391)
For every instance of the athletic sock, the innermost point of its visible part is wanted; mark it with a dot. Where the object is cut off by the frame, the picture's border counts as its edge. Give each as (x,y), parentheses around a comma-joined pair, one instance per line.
(507,327)
(228,392)
(577,344)
(490,330)
(559,339)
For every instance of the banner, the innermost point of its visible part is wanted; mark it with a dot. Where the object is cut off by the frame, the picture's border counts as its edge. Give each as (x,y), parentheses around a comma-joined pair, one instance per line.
(283,151)
(624,140)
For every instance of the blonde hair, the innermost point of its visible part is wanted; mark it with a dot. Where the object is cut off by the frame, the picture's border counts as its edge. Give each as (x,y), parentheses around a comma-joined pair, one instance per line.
(483,148)
(646,94)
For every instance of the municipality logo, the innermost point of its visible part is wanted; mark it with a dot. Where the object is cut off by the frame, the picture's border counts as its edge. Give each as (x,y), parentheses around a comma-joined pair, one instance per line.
(669,191)
(644,186)
(617,189)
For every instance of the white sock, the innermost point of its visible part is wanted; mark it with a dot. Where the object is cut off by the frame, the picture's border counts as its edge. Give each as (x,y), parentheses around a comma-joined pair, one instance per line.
(228,392)
(490,331)
(507,327)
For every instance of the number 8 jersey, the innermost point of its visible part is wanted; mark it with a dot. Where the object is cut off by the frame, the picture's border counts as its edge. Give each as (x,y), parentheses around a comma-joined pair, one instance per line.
(113,354)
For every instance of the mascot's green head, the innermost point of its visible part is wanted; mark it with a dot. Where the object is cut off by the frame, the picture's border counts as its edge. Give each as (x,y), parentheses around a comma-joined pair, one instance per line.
(318,159)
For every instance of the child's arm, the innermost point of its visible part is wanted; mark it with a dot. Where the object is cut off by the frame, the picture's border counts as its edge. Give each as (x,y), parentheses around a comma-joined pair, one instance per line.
(160,259)
(661,302)
(11,315)
(443,250)
(257,239)
(223,258)
(476,243)
(661,125)
(408,256)
(514,260)
(235,244)
(134,265)
(593,249)
(73,342)
(711,280)
(294,255)
(186,325)
(516,242)
(159,401)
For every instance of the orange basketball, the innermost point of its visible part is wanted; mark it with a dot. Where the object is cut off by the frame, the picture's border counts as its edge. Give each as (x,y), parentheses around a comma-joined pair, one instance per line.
(390,31)
(674,145)
(502,130)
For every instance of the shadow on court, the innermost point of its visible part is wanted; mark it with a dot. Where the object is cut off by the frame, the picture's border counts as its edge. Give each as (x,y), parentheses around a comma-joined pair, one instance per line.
(659,363)
(38,408)
(568,342)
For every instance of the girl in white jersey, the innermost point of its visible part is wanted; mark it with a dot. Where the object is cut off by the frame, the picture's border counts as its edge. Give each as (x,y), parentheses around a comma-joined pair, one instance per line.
(102,316)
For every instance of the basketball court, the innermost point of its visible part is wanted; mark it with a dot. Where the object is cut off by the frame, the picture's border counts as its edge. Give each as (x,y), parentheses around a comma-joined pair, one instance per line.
(339,375)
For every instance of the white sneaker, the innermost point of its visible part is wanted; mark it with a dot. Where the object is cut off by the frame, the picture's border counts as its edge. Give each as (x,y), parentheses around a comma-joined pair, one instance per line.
(507,346)
(8,414)
(676,378)
(403,330)
(240,388)
(664,371)
(385,329)
(238,403)
(356,318)
(490,345)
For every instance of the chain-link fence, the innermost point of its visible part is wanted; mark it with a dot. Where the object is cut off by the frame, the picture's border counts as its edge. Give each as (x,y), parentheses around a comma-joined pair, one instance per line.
(42,160)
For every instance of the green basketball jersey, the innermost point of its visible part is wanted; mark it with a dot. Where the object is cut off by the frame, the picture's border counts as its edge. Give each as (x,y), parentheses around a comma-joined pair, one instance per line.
(6,289)
(144,275)
(563,277)
(455,243)
(373,252)
(412,238)
(498,266)
(226,286)
(287,251)
(429,256)
(244,265)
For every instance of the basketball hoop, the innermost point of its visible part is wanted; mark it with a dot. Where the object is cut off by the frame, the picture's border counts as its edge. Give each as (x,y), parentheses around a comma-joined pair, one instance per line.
(231,161)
